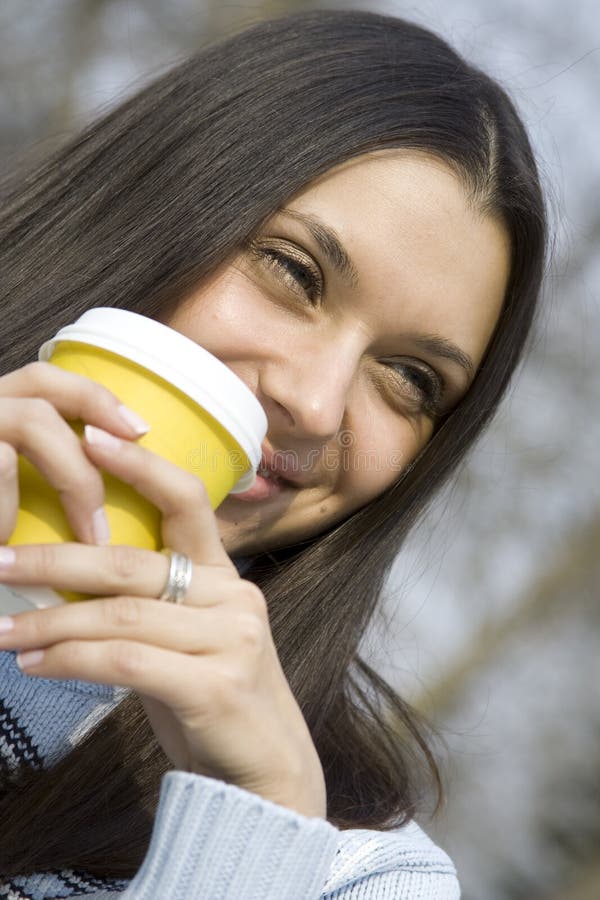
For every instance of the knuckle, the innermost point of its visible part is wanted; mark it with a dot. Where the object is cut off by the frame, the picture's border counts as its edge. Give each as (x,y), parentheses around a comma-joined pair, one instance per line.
(9,461)
(126,658)
(122,611)
(190,489)
(36,629)
(75,655)
(44,561)
(193,488)
(253,599)
(83,484)
(250,632)
(199,487)
(228,688)
(124,561)
(38,371)
(40,410)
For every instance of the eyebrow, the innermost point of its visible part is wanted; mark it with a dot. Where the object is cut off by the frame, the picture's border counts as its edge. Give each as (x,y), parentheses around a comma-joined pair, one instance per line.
(330,244)
(332,247)
(439,346)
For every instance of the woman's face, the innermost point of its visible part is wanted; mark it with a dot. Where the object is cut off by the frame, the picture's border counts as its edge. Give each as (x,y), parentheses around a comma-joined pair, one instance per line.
(325,317)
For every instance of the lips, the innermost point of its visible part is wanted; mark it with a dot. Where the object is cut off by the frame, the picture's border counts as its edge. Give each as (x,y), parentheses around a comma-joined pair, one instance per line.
(270,475)
(264,489)
(273,477)
(272,465)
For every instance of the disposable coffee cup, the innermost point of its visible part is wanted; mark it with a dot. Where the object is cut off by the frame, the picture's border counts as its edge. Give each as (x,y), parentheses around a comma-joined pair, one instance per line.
(203,418)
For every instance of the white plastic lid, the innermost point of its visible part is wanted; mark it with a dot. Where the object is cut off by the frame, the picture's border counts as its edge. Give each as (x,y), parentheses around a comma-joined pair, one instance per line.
(181,362)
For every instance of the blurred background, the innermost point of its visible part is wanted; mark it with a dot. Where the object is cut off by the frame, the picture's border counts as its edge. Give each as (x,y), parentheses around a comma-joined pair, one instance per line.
(491,622)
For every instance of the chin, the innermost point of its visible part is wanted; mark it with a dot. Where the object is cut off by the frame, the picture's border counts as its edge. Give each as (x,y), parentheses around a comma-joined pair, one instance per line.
(249,528)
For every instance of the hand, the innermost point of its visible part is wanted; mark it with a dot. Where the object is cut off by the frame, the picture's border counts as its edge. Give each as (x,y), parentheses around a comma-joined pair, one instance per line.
(35,400)
(207,672)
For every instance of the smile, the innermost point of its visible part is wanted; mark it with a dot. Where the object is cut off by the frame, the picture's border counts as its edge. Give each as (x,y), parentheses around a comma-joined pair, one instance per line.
(267,485)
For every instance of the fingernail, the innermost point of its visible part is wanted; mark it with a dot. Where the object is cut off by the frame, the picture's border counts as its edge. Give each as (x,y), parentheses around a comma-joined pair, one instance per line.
(7,556)
(6,624)
(100,527)
(101,438)
(136,422)
(31,658)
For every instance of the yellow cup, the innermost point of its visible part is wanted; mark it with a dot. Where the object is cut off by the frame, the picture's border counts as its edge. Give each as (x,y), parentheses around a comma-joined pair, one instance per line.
(203,418)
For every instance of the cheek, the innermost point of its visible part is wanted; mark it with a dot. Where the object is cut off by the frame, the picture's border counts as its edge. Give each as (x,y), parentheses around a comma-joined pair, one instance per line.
(372,459)
(228,316)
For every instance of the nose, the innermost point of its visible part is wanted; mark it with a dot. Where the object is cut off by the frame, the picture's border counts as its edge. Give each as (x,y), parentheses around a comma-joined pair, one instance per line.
(308,391)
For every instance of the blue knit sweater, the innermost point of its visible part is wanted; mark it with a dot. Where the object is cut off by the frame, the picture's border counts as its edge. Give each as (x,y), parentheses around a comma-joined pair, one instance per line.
(210,839)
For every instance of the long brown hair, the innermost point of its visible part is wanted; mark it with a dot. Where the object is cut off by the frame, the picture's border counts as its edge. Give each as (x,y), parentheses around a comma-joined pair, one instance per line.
(135,212)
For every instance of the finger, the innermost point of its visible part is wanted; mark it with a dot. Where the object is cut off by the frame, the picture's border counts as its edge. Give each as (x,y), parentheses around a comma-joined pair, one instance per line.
(9,490)
(74,396)
(188,521)
(34,428)
(174,678)
(111,570)
(184,629)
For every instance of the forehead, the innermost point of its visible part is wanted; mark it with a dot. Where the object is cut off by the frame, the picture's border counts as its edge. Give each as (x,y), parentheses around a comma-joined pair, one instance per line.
(389,184)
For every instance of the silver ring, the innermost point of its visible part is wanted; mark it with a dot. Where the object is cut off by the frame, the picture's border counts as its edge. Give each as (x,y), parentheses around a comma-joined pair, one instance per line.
(180,576)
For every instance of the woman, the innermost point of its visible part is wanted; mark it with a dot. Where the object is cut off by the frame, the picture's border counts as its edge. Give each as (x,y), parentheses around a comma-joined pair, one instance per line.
(349,216)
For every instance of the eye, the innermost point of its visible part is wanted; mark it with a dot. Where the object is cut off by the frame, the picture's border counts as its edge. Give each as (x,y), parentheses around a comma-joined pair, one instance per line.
(294,269)
(422,384)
